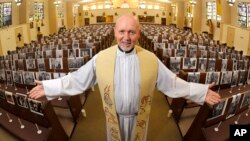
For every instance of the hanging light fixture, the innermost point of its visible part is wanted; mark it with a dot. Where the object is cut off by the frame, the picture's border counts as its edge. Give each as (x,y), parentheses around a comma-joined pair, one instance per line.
(193,2)
(231,2)
(142,5)
(57,3)
(18,2)
(76,5)
(125,5)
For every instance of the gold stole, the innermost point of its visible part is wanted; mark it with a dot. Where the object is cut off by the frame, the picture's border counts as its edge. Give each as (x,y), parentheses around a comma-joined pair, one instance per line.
(105,68)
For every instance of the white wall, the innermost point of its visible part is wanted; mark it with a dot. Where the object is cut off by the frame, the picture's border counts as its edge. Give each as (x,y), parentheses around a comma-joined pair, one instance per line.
(241,38)
(8,39)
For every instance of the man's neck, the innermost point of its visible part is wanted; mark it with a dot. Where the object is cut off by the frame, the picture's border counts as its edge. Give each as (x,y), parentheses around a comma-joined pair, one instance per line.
(126,51)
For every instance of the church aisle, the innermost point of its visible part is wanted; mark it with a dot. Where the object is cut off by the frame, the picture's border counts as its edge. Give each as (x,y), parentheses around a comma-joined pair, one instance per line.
(92,127)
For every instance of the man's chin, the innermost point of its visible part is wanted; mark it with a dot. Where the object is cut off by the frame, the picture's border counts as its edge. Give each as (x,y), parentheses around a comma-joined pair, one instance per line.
(126,48)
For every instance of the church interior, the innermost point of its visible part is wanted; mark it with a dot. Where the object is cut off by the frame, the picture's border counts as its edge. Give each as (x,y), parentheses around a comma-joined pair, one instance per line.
(201,41)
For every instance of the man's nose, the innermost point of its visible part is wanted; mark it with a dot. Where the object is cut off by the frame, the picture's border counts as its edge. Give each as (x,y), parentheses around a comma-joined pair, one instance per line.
(126,36)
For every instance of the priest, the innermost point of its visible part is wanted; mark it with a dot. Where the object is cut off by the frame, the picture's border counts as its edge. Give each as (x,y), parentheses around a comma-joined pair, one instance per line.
(127,76)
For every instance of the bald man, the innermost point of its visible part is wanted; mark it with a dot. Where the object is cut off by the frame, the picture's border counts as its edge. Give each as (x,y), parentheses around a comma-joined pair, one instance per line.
(127,76)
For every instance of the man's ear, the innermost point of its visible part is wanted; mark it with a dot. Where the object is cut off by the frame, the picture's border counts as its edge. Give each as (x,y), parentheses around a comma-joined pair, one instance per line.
(114,31)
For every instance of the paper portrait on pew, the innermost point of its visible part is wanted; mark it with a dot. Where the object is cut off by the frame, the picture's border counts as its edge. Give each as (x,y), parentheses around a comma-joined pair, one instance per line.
(2,94)
(75,63)
(189,63)
(224,65)
(218,109)
(35,106)
(41,64)
(9,80)
(58,75)
(175,64)
(21,100)
(226,77)
(234,81)
(55,63)
(233,105)
(211,64)
(248,77)
(28,78)
(246,99)
(9,97)
(2,75)
(202,66)
(212,77)
(242,77)
(17,77)
(180,53)
(193,77)
(42,75)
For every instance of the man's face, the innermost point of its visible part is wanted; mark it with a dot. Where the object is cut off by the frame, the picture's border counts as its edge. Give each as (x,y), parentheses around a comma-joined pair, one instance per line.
(127,33)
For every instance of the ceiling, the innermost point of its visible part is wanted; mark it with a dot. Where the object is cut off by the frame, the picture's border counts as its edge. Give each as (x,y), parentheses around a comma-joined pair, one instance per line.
(121,1)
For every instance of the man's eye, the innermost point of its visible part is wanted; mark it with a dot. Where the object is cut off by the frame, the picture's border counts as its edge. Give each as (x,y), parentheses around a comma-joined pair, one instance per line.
(121,32)
(132,33)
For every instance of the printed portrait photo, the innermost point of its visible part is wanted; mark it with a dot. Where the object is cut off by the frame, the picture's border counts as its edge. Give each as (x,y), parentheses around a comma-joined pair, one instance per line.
(21,100)
(193,77)
(242,77)
(226,77)
(42,75)
(35,106)
(211,64)
(2,94)
(175,64)
(202,66)
(234,105)
(218,109)
(58,75)
(234,81)
(167,52)
(41,64)
(224,65)
(180,53)
(55,63)
(246,99)
(189,63)
(9,97)
(212,77)
(28,78)
(17,77)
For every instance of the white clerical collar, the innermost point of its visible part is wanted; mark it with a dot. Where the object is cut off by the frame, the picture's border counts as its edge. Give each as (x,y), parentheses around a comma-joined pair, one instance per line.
(120,52)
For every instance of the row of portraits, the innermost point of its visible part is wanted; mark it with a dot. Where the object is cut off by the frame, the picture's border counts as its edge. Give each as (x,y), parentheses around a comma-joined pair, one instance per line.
(69,53)
(22,100)
(31,64)
(233,78)
(167,52)
(222,52)
(27,77)
(204,64)
(235,104)
(193,47)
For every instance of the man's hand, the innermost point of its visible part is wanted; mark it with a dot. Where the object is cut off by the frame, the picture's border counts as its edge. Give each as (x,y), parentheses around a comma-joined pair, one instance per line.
(212,97)
(37,91)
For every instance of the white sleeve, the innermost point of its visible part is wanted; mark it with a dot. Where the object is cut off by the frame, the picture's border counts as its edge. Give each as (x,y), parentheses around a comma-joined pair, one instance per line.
(72,84)
(172,86)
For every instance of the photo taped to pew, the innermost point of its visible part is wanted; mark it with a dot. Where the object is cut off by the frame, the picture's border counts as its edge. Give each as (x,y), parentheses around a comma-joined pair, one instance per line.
(35,106)
(9,97)
(218,109)
(21,100)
